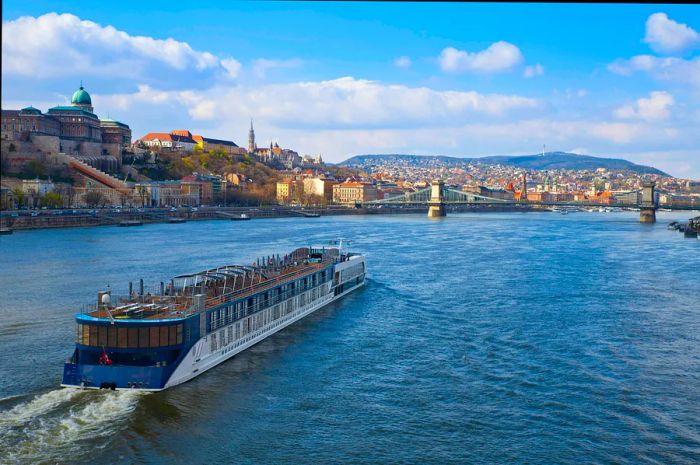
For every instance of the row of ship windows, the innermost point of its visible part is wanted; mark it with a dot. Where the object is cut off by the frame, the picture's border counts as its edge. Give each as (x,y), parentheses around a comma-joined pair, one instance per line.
(233,312)
(352,272)
(251,324)
(144,337)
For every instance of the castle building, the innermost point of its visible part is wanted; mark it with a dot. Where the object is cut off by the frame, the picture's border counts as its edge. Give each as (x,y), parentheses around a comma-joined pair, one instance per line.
(308,160)
(115,134)
(207,144)
(182,140)
(72,129)
(273,155)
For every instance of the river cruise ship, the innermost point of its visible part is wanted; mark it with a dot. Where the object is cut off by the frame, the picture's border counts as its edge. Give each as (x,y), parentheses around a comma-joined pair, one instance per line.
(153,341)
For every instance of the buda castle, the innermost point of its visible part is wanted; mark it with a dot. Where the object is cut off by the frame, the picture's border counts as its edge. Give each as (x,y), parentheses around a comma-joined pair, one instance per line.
(71,129)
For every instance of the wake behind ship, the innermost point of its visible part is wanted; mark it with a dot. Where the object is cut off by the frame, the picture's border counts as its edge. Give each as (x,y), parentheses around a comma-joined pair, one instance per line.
(152,342)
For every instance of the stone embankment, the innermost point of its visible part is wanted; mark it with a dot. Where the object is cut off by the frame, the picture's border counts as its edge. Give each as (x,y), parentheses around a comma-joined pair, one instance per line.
(14,220)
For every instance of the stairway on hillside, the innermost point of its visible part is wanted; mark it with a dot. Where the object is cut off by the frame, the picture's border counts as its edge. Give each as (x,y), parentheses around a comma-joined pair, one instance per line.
(96,174)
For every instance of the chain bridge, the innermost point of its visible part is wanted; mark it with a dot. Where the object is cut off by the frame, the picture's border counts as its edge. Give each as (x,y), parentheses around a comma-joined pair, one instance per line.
(438,196)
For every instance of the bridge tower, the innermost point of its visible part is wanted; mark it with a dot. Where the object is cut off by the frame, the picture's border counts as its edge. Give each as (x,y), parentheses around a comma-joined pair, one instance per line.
(436,204)
(647,208)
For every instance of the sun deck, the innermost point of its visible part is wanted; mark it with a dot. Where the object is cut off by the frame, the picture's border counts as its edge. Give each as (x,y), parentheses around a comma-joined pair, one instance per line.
(194,293)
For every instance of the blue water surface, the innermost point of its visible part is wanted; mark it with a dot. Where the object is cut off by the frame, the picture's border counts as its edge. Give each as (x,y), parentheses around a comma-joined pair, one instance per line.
(483,338)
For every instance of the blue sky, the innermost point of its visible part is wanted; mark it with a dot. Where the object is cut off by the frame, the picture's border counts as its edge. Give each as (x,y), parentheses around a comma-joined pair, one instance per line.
(347,78)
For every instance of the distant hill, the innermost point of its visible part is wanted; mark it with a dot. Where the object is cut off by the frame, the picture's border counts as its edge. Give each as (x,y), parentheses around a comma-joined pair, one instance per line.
(548,161)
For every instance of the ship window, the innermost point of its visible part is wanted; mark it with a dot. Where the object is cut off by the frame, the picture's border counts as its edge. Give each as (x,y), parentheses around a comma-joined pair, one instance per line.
(143,337)
(163,336)
(173,334)
(179,334)
(133,339)
(101,336)
(154,336)
(86,335)
(121,337)
(93,335)
(112,336)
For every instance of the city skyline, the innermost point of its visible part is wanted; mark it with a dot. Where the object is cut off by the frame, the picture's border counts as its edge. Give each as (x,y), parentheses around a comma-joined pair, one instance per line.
(345,79)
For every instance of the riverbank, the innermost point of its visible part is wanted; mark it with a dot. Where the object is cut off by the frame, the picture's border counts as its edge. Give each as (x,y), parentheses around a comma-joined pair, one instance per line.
(68,218)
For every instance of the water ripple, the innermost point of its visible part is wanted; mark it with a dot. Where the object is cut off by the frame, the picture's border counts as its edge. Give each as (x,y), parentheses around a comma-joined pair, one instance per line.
(481,339)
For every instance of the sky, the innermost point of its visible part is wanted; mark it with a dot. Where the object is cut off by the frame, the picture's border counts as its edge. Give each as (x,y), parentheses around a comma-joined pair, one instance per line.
(347,78)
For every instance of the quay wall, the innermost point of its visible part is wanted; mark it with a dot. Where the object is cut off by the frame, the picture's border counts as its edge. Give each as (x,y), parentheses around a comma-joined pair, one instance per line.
(49,218)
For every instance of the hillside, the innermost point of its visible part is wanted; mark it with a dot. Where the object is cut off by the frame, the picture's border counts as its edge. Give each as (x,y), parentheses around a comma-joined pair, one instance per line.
(548,161)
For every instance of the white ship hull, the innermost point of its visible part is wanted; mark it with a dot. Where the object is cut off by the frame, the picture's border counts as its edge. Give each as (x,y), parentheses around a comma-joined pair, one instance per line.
(200,358)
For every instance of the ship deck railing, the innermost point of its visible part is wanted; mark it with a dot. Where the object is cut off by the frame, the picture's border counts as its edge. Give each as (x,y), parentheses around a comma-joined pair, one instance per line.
(140,307)
(269,283)
(153,307)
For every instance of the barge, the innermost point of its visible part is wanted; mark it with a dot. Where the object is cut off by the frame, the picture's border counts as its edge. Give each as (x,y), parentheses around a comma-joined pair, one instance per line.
(150,342)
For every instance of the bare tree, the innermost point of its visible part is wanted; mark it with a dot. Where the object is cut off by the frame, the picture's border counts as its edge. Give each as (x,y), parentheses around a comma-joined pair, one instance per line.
(94,198)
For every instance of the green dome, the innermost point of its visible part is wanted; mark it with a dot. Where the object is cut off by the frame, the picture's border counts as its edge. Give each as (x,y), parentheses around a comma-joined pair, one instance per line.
(81,97)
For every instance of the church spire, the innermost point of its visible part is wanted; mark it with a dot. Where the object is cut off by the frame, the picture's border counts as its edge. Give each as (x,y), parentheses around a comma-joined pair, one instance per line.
(251,138)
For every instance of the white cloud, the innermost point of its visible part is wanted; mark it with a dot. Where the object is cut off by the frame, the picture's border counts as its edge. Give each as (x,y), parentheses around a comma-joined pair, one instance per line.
(617,133)
(657,107)
(232,67)
(262,65)
(532,71)
(340,103)
(572,93)
(55,45)
(403,62)
(498,57)
(349,106)
(665,35)
(660,68)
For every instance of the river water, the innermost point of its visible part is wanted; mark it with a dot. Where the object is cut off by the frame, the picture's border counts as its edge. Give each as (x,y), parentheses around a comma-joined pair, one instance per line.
(479,338)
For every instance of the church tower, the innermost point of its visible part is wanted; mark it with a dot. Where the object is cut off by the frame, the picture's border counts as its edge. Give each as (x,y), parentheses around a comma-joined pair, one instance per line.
(251,138)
